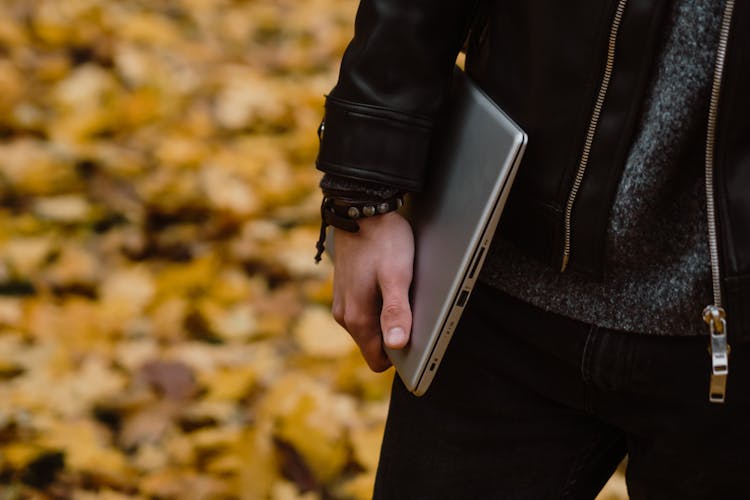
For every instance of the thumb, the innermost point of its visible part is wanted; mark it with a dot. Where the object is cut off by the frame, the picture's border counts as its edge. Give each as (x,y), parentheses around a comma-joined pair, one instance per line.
(395,317)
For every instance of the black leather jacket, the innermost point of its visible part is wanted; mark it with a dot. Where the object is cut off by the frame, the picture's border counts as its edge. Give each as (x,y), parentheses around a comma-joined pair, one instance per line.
(573,75)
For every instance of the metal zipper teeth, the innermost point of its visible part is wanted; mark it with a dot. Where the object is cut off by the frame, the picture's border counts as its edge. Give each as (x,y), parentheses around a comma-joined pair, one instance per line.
(593,124)
(713,240)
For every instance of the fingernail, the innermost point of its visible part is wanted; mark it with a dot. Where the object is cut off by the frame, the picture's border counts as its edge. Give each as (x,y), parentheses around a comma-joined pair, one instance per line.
(395,336)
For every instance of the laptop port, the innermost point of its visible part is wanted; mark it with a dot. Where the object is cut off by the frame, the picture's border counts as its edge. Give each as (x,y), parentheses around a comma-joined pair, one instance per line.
(475,264)
(462,298)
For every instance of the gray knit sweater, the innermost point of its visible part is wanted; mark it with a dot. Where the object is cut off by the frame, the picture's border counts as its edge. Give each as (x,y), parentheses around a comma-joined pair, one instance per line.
(658,275)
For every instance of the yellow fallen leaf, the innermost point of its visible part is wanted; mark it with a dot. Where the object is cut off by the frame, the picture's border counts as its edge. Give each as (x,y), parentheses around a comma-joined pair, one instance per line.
(366,444)
(87,450)
(230,384)
(224,464)
(182,484)
(11,311)
(128,290)
(320,291)
(246,100)
(355,377)
(87,102)
(180,449)
(11,84)
(358,488)
(23,225)
(140,108)
(182,151)
(324,454)
(295,250)
(168,318)
(73,22)
(133,63)
(208,410)
(170,190)
(253,238)
(278,185)
(63,209)
(226,192)
(149,426)
(234,323)
(17,456)
(284,490)
(256,450)
(150,457)
(52,68)
(212,439)
(12,33)
(18,355)
(187,279)
(75,390)
(116,160)
(200,356)
(148,28)
(104,494)
(133,353)
(312,420)
(319,335)
(76,265)
(79,324)
(250,156)
(26,256)
(232,285)
(272,324)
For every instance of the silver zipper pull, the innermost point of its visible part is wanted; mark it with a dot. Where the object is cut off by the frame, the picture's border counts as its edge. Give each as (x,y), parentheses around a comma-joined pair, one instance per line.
(719,348)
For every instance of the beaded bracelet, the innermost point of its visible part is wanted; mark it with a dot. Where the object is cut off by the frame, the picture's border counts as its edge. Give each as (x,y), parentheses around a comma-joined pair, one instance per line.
(343,213)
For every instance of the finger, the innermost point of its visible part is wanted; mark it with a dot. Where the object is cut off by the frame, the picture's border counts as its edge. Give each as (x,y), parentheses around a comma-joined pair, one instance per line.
(372,350)
(395,315)
(365,330)
(364,327)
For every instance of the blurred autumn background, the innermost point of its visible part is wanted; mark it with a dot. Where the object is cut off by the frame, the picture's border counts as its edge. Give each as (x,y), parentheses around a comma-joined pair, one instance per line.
(164,331)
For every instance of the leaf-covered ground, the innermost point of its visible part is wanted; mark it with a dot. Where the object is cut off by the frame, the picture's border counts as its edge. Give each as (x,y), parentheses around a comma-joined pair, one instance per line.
(164,332)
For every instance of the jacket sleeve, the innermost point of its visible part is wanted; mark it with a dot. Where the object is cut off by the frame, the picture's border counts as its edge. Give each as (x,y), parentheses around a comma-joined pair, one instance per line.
(395,72)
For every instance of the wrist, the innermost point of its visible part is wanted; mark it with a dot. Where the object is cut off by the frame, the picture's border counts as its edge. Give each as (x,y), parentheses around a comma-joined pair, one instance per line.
(345,213)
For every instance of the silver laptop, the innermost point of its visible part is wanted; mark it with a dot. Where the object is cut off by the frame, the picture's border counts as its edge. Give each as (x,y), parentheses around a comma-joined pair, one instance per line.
(474,162)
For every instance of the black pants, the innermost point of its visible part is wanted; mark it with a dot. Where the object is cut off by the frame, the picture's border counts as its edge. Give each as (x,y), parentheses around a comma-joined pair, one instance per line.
(531,405)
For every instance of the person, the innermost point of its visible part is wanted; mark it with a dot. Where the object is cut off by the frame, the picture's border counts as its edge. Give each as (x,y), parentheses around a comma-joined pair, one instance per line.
(588,338)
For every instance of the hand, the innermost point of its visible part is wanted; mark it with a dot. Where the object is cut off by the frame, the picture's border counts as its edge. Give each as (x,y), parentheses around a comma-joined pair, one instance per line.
(372,275)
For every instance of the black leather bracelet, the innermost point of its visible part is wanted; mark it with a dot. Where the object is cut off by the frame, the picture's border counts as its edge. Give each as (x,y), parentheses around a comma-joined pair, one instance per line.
(346,211)
(343,213)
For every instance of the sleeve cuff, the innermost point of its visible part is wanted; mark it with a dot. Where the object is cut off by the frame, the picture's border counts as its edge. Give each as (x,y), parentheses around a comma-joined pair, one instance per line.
(357,189)
(374,144)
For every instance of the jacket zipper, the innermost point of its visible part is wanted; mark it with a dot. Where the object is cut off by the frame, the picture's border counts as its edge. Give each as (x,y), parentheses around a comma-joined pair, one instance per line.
(593,124)
(714,314)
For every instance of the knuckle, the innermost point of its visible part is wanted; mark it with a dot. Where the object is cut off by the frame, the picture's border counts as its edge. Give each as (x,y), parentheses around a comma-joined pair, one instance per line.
(392,309)
(357,322)
(395,312)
